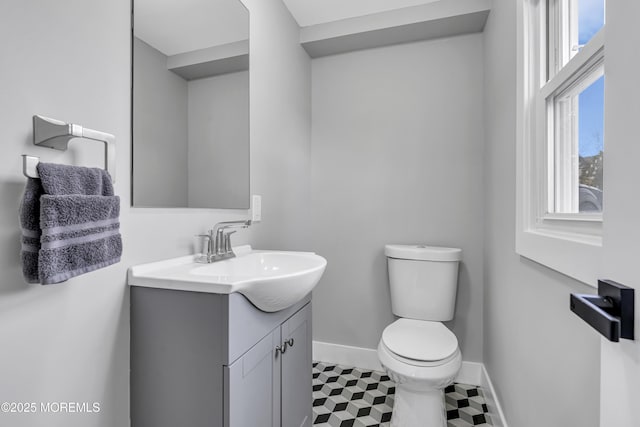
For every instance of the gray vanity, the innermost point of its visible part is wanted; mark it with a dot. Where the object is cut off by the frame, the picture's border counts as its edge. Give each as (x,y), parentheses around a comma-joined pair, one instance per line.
(205,359)
(223,344)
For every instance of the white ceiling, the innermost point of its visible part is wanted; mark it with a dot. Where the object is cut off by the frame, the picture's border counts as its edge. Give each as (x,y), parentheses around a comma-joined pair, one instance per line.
(178,26)
(312,12)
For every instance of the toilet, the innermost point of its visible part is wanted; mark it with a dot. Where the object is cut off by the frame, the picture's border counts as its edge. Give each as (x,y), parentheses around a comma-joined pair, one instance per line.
(418,352)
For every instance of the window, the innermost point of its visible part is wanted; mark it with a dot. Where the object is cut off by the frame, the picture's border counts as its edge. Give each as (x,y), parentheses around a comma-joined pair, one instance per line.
(578,140)
(561,123)
(574,104)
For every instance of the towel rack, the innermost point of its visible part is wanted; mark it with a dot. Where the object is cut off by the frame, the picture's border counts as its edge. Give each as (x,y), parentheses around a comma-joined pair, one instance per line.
(56,134)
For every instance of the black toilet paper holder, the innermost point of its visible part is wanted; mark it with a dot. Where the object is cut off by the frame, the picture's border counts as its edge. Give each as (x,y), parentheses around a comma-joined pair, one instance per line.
(611,312)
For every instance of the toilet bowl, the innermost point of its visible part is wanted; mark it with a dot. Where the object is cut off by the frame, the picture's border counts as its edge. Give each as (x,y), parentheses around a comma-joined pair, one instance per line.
(422,358)
(418,352)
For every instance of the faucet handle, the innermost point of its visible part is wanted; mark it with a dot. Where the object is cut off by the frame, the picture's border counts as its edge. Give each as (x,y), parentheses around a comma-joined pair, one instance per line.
(209,242)
(209,234)
(227,241)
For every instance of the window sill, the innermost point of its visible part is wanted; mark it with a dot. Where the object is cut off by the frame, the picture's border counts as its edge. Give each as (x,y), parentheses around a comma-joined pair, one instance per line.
(576,256)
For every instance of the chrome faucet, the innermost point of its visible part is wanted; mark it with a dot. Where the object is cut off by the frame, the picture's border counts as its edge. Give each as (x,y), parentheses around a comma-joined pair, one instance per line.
(219,241)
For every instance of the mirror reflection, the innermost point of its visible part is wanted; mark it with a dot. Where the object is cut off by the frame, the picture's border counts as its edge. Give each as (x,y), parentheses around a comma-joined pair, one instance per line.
(190,104)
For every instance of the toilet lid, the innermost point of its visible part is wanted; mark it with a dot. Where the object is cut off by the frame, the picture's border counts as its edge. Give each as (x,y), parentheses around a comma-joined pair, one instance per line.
(420,339)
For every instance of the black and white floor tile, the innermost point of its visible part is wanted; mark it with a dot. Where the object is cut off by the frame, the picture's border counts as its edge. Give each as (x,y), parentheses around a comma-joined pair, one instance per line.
(351,397)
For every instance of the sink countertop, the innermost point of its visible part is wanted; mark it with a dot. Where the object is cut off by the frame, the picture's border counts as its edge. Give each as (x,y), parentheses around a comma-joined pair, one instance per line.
(272,280)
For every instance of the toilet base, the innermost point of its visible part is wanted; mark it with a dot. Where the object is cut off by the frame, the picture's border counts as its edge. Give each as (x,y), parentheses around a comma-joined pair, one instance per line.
(418,409)
(419,397)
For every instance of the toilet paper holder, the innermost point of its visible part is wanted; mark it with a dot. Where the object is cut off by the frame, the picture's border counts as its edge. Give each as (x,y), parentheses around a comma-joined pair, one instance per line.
(610,312)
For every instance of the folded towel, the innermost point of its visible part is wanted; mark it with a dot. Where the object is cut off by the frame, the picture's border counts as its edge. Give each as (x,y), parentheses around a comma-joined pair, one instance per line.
(79,234)
(77,230)
(65,179)
(30,225)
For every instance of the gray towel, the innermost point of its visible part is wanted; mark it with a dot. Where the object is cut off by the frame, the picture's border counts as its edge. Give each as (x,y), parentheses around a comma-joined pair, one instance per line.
(30,224)
(64,179)
(77,226)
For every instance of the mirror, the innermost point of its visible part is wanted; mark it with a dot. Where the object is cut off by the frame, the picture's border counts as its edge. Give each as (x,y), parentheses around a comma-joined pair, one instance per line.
(190,104)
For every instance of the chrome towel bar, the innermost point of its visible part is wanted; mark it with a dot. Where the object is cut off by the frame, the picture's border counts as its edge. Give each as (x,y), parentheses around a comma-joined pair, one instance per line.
(56,134)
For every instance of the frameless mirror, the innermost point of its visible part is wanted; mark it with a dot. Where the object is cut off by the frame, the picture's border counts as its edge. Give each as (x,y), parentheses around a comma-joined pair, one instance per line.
(190,104)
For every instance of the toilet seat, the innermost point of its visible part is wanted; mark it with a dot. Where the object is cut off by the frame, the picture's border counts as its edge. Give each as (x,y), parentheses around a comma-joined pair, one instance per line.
(420,342)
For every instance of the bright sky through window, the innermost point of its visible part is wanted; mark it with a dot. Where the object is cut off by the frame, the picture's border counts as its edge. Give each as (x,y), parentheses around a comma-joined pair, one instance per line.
(591,103)
(591,119)
(590,19)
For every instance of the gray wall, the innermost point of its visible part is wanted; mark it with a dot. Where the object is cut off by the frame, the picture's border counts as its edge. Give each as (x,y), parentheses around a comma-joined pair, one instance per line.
(397,152)
(218,154)
(160,111)
(543,360)
(280,82)
(70,342)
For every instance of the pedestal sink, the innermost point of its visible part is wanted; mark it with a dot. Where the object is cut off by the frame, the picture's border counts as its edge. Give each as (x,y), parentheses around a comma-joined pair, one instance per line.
(271,280)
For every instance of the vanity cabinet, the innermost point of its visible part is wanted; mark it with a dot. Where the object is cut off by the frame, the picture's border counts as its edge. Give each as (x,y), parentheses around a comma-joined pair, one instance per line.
(270,385)
(201,359)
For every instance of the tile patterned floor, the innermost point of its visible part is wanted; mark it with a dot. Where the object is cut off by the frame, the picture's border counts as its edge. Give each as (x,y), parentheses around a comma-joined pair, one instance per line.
(351,397)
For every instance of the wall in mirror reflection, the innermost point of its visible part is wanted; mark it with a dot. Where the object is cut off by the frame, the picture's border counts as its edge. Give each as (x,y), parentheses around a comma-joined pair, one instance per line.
(190,105)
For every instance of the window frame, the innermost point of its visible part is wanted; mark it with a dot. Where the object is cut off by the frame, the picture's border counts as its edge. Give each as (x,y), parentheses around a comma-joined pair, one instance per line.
(570,243)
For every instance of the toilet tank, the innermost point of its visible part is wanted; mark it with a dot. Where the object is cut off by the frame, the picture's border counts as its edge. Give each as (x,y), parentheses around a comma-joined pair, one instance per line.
(423,281)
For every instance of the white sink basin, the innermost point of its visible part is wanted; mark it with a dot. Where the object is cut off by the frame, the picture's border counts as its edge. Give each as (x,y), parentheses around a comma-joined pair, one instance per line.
(271,280)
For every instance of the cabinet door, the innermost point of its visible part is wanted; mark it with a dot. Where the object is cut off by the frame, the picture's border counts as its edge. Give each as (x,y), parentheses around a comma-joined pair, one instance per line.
(296,370)
(252,386)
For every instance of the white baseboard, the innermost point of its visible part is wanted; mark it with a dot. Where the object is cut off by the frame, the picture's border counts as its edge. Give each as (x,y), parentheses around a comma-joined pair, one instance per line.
(495,410)
(367,358)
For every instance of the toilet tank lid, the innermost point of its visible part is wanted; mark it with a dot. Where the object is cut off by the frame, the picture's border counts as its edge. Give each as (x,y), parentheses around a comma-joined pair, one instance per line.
(423,252)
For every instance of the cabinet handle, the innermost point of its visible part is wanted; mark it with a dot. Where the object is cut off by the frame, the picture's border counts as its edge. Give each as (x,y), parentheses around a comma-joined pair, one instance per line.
(282,349)
(288,343)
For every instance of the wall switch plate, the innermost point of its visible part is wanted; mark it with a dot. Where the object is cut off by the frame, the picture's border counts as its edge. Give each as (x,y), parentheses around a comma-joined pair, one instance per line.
(256,208)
